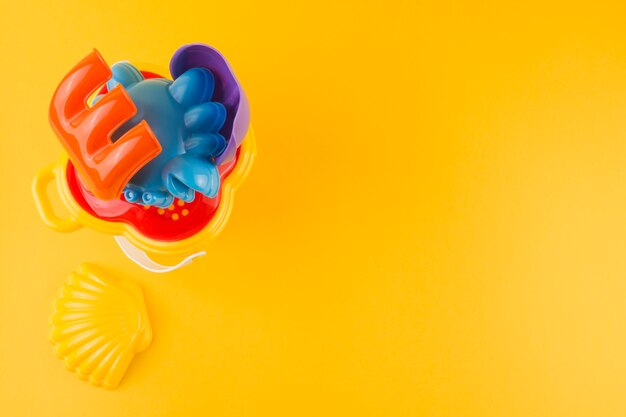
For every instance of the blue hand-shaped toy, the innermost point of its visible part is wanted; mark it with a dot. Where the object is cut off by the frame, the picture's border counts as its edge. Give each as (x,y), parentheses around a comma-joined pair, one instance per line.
(186,122)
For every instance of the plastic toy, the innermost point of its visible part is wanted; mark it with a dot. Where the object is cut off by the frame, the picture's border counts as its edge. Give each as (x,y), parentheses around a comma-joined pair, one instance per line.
(187,125)
(152,161)
(99,323)
(155,163)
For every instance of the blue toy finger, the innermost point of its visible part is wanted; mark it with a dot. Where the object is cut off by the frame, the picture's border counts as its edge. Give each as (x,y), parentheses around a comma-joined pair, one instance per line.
(205,144)
(193,87)
(157,198)
(206,117)
(124,73)
(180,190)
(132,194)
(196,173)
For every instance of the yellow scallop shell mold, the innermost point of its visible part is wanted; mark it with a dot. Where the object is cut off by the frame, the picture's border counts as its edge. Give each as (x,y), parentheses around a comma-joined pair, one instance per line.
(98,325)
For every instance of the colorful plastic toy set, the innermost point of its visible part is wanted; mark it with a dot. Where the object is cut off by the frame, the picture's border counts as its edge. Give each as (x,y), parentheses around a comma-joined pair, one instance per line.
(153,162)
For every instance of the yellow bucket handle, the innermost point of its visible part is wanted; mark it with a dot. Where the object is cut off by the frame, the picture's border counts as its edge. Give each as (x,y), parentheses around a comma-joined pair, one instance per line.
(44,205)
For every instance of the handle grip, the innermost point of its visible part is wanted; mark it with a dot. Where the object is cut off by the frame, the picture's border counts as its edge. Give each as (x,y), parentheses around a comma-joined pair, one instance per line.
(142,259)
(44,205)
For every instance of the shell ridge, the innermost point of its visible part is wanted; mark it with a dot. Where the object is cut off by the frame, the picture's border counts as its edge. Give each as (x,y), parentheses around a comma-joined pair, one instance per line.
(98,324)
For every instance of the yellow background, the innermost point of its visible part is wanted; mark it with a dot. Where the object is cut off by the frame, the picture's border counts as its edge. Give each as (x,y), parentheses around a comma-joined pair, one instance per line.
(435,224)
